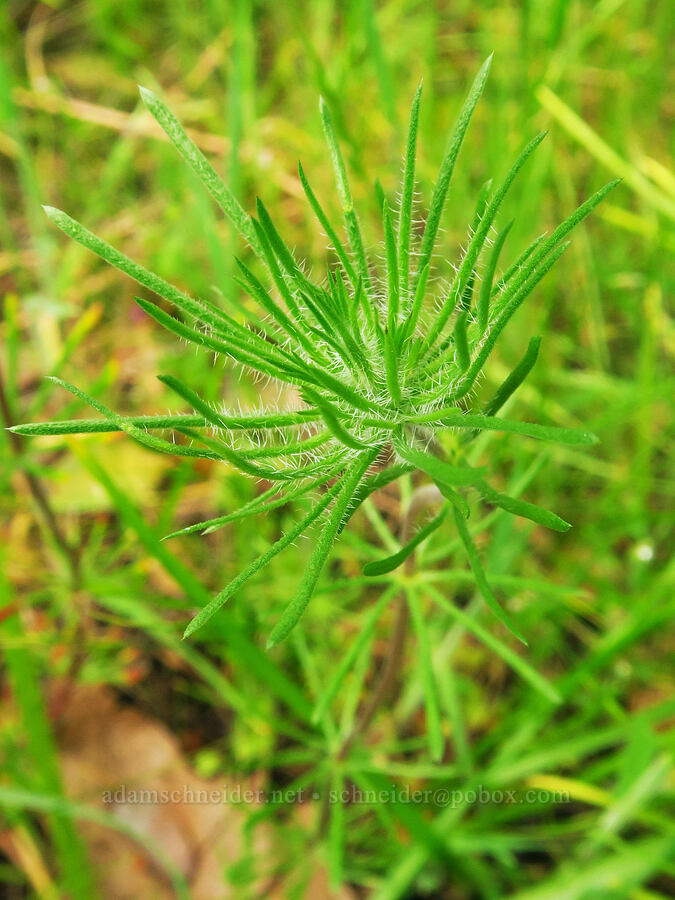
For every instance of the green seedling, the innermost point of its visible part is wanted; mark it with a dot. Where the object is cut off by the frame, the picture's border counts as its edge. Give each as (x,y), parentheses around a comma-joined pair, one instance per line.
(383,358)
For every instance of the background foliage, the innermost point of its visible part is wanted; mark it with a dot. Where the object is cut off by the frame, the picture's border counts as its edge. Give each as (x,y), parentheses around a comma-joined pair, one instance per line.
(92,597)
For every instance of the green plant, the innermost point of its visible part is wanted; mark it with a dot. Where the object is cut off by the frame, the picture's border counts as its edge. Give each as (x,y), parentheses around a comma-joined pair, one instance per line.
(382,371)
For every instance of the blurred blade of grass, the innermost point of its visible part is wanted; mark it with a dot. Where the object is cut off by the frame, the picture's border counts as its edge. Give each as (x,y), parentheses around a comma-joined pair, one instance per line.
(79,330)
(510,657)
(575,746)
(625,869)
(637,224)
(308,663)
(30,190)
(43,773)
(242,650)
(426,836)
(411,863)
(336,830)
(433,713)
(627,804)
(64,811)
(380,61)
(637,623)
(569,50)
(138,615)
(588,138)
(350,658)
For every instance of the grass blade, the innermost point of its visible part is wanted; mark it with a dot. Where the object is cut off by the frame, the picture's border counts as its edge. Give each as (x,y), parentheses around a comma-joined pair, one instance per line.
(431,704)
(366,631)
(519,665)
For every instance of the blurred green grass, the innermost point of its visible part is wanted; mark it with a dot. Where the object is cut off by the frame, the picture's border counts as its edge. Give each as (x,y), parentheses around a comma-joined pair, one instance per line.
(597,602)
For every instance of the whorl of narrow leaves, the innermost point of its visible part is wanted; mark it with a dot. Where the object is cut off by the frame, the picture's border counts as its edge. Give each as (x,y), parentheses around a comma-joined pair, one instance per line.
(382,364)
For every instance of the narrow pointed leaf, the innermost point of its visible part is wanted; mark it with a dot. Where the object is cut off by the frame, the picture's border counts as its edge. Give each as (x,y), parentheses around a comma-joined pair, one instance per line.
(478,239)
(218,601)
(488,277)
(410,323)
(101,426)
(448,165)
(126,425)
(481,580)
(455,418)
(407,194)
(517,265)
(523,508)
(293,612)
(465,384)
(438,470)
(328,228)
(513,381)
(392,270)
(139,273)
(462,358)
(383,566)
(351,221)
(391,368)
(330,417)
(269,364)
(202,168)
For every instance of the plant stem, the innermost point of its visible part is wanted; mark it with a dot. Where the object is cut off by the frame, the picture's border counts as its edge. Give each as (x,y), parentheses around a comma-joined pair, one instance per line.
(422,497)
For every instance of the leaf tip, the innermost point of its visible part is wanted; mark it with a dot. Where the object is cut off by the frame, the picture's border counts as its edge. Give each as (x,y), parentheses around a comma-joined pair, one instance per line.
(147,95)
(52,212)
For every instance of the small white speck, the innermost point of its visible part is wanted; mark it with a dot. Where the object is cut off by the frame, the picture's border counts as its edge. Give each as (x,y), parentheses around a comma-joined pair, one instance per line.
(644,552)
